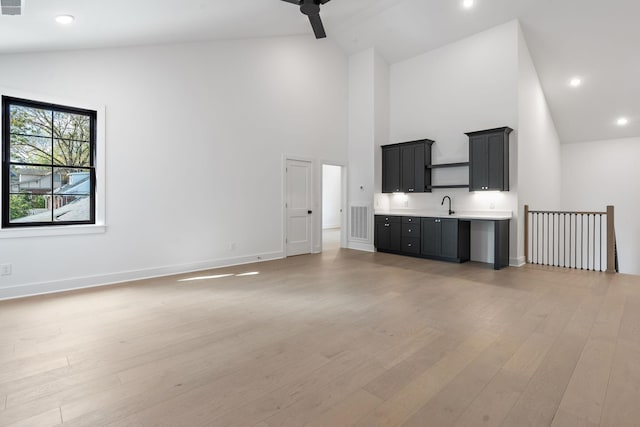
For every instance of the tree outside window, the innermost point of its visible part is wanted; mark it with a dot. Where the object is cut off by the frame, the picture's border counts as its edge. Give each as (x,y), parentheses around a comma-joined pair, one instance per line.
(49,167)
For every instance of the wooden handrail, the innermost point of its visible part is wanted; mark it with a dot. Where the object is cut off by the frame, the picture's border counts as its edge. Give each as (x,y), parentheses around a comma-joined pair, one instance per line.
(569,212)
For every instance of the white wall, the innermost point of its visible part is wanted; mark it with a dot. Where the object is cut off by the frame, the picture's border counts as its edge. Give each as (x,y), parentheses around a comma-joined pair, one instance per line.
(539,156)
(331,196)
(382,95)
(361,126)
(196,135)
(467,86)
(600,173)
(368,126)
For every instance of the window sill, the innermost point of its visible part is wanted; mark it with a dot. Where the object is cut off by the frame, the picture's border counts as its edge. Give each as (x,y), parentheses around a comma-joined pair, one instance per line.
(69,230)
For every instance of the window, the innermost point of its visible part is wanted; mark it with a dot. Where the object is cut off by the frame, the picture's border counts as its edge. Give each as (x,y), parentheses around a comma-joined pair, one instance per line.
(48,168)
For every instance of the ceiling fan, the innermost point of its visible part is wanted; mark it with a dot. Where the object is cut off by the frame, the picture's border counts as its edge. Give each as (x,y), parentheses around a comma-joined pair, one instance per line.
(311,8)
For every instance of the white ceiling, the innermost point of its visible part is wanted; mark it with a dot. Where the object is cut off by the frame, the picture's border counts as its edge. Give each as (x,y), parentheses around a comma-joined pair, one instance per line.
(595,39)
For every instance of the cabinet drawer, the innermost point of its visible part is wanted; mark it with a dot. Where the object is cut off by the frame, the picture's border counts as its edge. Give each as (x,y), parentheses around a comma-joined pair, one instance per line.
(388,219)
(410,220)
(411,230)
(411,245)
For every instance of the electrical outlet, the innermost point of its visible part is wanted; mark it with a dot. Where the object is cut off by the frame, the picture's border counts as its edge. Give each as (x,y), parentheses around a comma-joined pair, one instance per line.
(5,270)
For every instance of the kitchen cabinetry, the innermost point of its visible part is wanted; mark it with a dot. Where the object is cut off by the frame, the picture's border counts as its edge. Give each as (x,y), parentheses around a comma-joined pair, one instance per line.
(410,235)
(446,239)
(390,169)
(489,160)
(413,167)
(404,167)
(388,233)
(441,238)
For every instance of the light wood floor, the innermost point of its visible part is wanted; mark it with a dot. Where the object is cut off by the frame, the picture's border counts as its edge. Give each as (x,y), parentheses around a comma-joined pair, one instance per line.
(343,338)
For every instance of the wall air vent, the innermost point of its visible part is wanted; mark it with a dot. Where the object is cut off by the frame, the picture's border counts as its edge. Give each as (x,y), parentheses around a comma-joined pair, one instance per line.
(359,223)
(11,7)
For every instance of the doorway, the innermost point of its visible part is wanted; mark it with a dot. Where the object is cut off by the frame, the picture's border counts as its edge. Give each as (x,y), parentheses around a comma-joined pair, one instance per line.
(332,207)
(298,207)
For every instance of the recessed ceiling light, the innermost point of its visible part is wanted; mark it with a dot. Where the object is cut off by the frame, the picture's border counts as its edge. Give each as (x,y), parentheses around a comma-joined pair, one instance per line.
(65,19)
(623,121)
(468,4)
(575,82)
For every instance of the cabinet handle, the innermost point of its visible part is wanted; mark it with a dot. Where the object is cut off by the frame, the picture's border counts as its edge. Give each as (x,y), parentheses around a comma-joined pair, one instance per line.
(410,219)
(410,190)
(410,245)
(386,225)
(410,230)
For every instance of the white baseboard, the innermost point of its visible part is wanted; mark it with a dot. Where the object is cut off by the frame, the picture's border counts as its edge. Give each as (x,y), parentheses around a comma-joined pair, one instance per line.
(366,247)
(330,227)
(517,262)
(32,289)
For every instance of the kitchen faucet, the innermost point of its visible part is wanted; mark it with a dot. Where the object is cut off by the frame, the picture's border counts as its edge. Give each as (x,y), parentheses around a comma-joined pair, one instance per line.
(443,199)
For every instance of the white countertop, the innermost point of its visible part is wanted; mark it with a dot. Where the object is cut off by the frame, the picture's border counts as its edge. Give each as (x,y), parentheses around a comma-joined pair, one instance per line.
(470,215)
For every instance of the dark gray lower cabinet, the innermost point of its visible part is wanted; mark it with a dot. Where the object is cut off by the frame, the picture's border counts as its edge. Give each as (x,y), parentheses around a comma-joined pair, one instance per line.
(446,239)
(410,235)
(388,233)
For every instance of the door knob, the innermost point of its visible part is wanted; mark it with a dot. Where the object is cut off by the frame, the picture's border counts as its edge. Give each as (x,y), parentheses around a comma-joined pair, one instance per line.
(309,212)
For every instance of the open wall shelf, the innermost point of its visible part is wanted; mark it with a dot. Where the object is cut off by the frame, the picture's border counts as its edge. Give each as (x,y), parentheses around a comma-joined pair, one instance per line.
(436,187)
(448,165)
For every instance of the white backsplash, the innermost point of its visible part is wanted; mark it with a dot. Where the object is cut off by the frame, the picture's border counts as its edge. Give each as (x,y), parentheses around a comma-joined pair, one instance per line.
(462,200)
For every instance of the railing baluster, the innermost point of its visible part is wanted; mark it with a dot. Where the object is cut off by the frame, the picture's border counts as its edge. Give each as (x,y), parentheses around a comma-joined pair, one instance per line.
(575,230)
(537,230)
(541,238)
(548,231)
(601,242)
(593,248)
(582,242)
(570,217)
(588,239)
(553,244)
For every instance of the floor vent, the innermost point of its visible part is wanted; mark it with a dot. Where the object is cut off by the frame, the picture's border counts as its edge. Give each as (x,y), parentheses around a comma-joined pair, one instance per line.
(359,223)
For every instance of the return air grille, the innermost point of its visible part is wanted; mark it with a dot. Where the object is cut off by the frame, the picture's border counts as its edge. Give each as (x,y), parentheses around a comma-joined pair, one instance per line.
(11,7)
(359,223)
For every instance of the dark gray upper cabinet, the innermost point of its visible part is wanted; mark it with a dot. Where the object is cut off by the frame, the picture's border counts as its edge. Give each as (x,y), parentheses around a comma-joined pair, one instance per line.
(413,167)
(489,159)
(404,167)
(390,169)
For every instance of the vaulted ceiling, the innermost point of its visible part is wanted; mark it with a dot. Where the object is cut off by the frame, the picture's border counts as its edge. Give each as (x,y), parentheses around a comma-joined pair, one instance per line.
(596,40)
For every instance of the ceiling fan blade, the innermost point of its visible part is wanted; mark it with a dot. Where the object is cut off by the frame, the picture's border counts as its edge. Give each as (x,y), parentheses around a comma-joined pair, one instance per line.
(318,28)
(296,2)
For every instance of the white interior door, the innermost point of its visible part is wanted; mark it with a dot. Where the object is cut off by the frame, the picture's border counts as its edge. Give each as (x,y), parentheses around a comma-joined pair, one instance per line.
(298,207)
